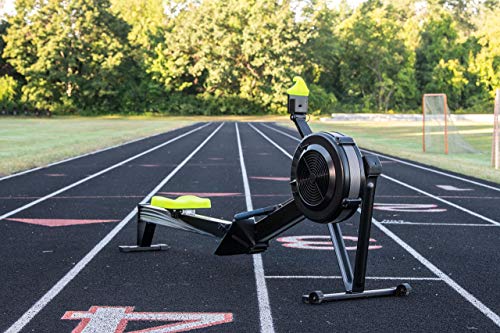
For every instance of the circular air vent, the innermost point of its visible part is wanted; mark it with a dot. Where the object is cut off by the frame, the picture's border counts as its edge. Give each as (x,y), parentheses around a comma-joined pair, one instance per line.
(313,177)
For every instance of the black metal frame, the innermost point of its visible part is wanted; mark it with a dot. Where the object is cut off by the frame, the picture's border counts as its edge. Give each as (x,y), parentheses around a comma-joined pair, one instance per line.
(354,283)
(245,236)
(145,233)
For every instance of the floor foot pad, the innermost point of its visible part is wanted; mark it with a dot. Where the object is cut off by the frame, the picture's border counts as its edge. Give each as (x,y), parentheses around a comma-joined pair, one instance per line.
(135,248)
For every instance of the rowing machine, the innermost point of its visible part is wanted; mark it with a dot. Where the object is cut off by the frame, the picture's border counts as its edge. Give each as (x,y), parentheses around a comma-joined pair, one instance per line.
(330,181)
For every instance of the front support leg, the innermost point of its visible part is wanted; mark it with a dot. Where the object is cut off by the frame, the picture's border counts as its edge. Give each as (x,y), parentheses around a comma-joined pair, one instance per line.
(342,256)
(373,169)
(354,284)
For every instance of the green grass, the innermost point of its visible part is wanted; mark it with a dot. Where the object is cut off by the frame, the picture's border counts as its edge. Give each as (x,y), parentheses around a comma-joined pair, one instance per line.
(404,139)
(26,143)
(30,142)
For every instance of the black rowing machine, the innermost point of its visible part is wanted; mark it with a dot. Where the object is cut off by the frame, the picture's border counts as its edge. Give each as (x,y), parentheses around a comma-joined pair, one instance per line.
(330,181)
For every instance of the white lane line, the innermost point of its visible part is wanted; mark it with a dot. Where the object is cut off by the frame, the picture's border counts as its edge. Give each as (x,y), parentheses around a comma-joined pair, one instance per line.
(495,188)
(83,155)
(97,174)
(398,222)
(266,318)
(416,196)
(459,289)
(282,132)
(66,279)
(327,277)
(271,142)
(435,171)
(453,188)
(439,273)
(484,218)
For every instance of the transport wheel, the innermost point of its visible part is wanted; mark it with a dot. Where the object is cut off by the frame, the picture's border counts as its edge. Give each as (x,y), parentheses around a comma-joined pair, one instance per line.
(315,297)
(403,289)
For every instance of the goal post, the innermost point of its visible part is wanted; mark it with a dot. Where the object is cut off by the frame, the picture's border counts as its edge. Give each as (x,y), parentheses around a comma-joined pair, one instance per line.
(495,149)
(439,131)
(435,115)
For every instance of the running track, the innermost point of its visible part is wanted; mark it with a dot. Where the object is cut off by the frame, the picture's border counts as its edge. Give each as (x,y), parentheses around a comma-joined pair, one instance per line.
(61,226)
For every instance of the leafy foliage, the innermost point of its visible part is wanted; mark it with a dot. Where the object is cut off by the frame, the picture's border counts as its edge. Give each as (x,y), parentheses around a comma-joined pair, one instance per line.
(69,52)
(8,87)
(238,57)
(237,49)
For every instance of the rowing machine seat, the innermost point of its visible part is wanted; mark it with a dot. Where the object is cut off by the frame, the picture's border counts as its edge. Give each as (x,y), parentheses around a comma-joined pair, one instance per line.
(182,202)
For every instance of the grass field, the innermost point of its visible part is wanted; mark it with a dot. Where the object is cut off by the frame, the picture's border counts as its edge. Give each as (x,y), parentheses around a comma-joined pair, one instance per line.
(404,139)
(30,142)
(26,143)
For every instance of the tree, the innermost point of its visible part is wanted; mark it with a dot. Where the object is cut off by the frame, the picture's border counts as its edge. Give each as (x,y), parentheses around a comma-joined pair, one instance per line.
(10,80)
(147,19)
(215,56)
(374,60)
(69,53)
(446,60)
(5,67)
(323,49)
(226,49)
(436,57)
(487,61)
(8,91)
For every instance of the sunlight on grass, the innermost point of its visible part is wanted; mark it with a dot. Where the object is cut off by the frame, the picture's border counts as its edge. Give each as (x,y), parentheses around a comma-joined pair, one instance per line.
(30,142)
(404,139)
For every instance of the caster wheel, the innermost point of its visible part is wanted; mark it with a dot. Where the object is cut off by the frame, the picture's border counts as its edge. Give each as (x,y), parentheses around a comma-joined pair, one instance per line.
(403,289)
(316,297)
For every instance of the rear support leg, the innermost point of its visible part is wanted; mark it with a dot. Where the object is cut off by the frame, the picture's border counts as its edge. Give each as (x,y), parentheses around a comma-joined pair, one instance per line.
(145,233)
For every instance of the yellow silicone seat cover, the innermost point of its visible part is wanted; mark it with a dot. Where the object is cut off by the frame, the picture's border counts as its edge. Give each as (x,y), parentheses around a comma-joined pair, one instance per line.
(182,202)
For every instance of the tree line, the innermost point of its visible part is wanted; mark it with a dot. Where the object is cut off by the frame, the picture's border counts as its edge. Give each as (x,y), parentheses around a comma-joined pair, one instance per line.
(238,56)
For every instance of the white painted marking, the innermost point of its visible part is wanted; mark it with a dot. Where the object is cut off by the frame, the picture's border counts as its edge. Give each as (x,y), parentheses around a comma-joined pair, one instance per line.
(404,278)
(406,163)
(401,222)
(282,132)
(484,218)
(66,279)
(277,179)
(80,156)
(453,188)
(455,286)
(114,319)
(417,196)
(439,273)
(97,174)
(435,171)
(266,317)
(320,242)
(271,141)
(409,208)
